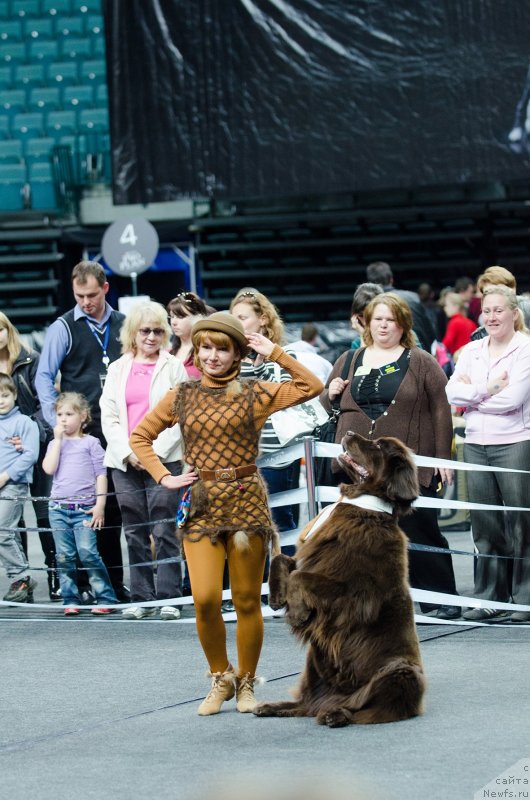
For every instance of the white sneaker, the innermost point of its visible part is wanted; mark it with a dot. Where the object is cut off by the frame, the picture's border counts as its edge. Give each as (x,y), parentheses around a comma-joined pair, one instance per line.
(169,612)
(138,612)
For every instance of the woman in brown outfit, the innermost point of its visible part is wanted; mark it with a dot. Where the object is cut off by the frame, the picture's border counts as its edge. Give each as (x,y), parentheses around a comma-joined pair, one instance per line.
(220,419)
(395,389)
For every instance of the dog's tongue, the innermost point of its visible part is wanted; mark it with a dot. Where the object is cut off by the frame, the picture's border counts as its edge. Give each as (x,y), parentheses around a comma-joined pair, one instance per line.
(359,469)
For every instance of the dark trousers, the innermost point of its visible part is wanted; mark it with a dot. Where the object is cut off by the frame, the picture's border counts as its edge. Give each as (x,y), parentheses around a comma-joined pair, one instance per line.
(142,500)
(429,571)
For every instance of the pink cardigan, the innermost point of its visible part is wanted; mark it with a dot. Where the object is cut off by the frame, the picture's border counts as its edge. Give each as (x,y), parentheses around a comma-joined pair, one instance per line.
(503,418)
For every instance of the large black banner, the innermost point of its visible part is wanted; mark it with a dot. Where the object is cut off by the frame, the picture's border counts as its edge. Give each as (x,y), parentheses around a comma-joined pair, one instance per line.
(284,97)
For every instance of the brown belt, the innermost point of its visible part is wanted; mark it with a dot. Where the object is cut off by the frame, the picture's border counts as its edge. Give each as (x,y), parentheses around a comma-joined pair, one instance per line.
(227,473)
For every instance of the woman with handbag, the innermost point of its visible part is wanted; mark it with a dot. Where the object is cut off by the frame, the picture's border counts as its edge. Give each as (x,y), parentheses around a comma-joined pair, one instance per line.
(394,388)
(220,419)
(21,364)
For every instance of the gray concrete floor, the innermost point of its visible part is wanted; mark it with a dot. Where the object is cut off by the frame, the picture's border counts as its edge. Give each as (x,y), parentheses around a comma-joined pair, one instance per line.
(97,708)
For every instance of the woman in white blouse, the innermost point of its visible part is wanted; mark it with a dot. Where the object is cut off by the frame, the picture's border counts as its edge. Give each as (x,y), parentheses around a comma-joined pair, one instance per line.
(134,385)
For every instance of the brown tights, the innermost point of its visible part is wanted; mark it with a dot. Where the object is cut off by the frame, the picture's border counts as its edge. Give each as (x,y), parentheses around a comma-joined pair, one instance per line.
(205,565)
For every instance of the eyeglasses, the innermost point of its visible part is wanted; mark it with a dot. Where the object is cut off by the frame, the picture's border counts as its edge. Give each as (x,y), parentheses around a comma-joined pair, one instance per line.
(154,331)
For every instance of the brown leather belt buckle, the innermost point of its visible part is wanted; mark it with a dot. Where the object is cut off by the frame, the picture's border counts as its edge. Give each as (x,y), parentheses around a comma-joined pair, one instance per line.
(225,474)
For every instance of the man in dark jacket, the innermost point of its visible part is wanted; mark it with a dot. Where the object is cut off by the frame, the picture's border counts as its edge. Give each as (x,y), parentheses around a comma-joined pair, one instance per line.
(380,272)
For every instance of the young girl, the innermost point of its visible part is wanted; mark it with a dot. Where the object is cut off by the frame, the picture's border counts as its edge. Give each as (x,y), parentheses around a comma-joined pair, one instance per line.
(184,311)
(77,503)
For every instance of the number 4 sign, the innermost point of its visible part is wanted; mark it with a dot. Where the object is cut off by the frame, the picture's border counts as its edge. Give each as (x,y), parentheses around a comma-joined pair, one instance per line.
(130,246)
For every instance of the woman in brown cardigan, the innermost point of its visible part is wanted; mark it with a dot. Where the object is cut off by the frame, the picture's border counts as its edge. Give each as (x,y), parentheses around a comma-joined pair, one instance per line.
(220,418)
(395,389)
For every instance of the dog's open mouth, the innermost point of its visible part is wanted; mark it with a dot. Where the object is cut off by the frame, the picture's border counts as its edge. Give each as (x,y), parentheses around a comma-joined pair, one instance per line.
(361,471)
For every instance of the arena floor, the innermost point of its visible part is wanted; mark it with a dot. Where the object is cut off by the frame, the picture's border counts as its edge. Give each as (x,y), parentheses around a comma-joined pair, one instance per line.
(104,707)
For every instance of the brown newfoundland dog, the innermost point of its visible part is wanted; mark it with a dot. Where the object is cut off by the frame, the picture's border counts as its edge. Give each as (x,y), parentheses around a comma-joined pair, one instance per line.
(347,596)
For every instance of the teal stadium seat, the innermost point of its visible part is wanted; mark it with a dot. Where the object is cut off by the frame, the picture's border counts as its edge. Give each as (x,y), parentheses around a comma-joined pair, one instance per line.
(47,98)
(28,124)
(75,47)
(29,74)
(94,70)
(11,30)
(102,95)
(94,24)
(4,9)
(94,119)
(87,6)
(98,46)
(25,8)
(61,121)
(63,72)
(13,52)
(78,96)
(10,151)
(5,126)
(43,50)
(12,179)
(38,149)
(55,7)
(69,26)
(6,76)
(39,28)
(41,183)
(13,99)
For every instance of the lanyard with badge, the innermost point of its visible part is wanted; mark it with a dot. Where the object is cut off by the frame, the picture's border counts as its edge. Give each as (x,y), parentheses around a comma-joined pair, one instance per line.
(105,360)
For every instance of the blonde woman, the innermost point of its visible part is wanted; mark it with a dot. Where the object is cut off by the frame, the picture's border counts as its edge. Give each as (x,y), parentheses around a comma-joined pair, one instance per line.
(135,383)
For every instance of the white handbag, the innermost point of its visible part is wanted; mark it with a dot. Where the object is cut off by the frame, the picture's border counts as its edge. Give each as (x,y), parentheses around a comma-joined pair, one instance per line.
(295,422)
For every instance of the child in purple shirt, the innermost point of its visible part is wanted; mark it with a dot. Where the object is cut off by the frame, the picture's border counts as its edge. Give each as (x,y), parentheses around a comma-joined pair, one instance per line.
(77,504)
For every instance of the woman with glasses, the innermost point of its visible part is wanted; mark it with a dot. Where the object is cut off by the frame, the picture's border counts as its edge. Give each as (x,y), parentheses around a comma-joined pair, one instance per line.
(134,385)
(184,311)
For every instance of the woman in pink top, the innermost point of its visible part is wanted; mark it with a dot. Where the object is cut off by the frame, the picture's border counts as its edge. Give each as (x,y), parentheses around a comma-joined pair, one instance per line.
(134,385)
(184,311)
(492,382)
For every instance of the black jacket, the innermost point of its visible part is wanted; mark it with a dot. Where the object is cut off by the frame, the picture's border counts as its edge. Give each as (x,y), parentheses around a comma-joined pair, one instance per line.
(23,375)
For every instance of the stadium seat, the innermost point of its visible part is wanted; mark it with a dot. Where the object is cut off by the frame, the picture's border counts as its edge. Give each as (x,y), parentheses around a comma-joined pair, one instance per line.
(38,149)
(70,26)
(12,179)
(10,151)
(63,72)
(5,127)
(47,98)
(13,51)
(87,6)
(13,99)
(102,95)
(94,119)
(75,47)
(78,96)
(93,70)
(43,50)
(94,24)
(41,183)
(38,28)
(11,30)
(4,9)
(55,7)
(29,73)
(28,124)
(25,8)
(98,46)
(63,121)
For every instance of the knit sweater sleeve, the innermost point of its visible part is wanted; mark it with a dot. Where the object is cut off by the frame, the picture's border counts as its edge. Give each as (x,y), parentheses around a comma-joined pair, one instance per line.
(143,436)
(303,386)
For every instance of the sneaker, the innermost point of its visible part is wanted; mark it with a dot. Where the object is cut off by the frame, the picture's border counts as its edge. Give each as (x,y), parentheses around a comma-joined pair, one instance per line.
(482,614)
(227,606)
(223,688)
(123,593)
(138,612)
(447,612)
(519,616)
(21,591)
(71,611)
(102,611)
(169,612)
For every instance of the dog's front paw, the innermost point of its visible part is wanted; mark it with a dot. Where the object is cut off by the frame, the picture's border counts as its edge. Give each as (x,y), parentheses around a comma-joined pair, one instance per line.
(334,719)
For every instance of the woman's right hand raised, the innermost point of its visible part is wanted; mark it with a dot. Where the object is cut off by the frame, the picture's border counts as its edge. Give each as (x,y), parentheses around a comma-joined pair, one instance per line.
(178,481)
(336,388)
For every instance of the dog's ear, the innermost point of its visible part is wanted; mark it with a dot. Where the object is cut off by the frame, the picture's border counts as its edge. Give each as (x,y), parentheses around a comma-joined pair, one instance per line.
(401,473)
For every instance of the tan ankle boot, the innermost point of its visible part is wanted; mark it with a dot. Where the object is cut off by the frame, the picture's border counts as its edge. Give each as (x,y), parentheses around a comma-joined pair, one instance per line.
(246,702)
(223,688)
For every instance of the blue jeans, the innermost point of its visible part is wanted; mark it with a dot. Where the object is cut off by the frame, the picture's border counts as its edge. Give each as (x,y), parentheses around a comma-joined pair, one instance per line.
(73,538)
(12,555)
